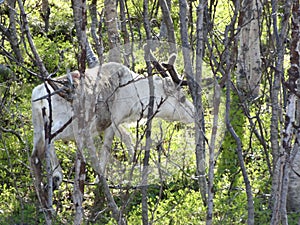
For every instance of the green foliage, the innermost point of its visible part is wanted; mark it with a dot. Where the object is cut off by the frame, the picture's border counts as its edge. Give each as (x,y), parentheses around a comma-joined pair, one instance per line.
(56,53)
(17,204)
(228,162)
(230,196)
(181,207)
(16,207)
(173,195)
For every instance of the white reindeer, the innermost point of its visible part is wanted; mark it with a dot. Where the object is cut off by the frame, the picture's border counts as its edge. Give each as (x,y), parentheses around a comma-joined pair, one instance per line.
(112,95)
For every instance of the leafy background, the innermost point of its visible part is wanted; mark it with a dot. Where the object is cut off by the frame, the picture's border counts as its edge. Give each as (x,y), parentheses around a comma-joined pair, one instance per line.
(173,199)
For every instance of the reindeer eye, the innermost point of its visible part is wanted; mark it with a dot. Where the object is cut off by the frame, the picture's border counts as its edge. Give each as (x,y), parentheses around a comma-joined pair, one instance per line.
(182,99)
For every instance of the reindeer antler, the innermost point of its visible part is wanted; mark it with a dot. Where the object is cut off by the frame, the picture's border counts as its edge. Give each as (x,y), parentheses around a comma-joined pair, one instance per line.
(169,67)
(157,65)
(63,86)
(173,73)
(62,92)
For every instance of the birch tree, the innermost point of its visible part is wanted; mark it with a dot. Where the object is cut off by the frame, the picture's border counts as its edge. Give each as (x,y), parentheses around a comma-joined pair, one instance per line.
(11,33)
(168,24)
(96,30)
(249,58)
(194,82)
(80,17)
(44,195)
(111,21)
(145,172)
(243,47)
(280,156)
(293,198)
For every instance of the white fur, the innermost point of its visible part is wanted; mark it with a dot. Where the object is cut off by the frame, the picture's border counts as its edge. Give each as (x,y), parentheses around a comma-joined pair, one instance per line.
(111,95)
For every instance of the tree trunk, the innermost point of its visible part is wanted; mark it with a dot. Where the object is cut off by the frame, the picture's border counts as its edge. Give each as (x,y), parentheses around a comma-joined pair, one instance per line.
(280,155)
(111,21)
(79,180)
(194,83)
(80,20)
(214,132)
(125,34)
(11,32)
(36,166)
(79,14)
(229,54)
(96,25)
(283,166)
(145,171)
(293,198)
(45,13)
(163,30)
(167,20)
(249,58)
(239,150)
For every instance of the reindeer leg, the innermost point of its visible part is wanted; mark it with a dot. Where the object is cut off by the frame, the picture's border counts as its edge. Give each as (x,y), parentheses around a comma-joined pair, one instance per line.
(36,170)
(56,168)
(126,138)
(106,147)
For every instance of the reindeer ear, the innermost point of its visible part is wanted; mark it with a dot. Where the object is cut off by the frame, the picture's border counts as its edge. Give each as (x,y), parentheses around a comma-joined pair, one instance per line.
(172,59)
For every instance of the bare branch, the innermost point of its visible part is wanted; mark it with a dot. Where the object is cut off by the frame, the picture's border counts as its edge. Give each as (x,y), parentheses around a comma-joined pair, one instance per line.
(12,132)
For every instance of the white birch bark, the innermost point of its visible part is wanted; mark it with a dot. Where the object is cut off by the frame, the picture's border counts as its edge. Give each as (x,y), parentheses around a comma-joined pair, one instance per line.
(293,197)
(282,154)
(111,21)
(249,58)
